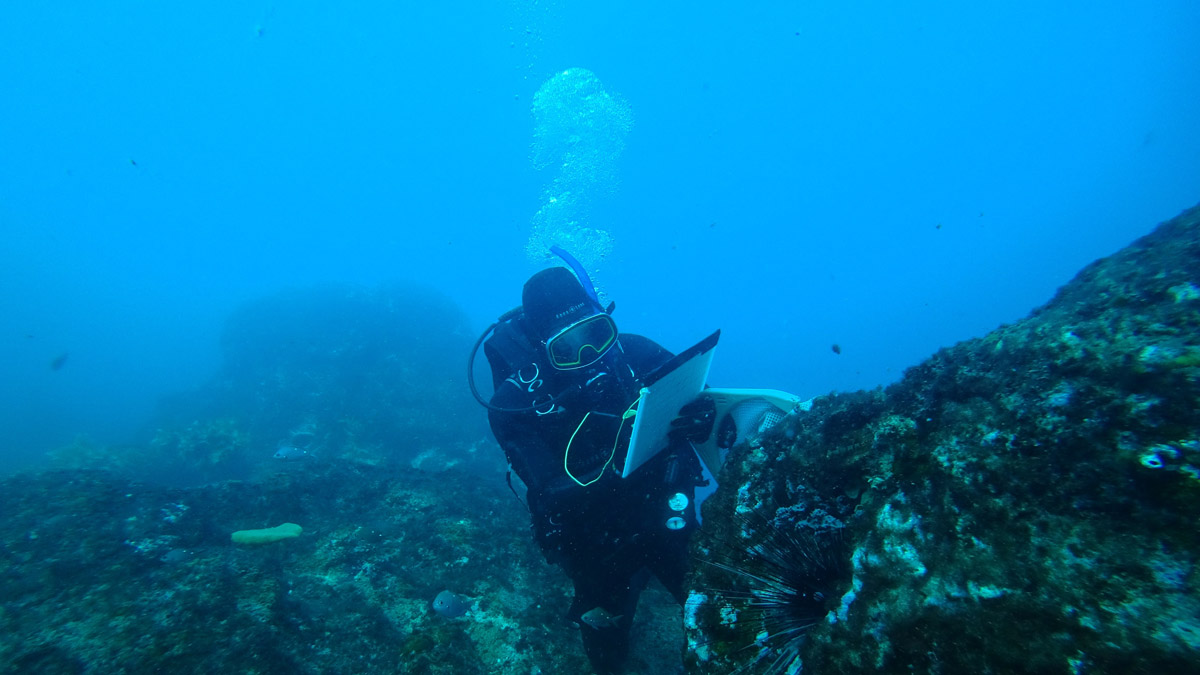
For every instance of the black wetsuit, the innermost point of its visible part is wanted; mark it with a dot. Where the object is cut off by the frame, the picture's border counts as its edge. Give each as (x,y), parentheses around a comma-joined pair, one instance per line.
(610,535)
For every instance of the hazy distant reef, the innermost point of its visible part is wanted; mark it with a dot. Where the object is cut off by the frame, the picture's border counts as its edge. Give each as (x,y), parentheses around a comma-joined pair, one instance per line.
(328,373)
(1023,502)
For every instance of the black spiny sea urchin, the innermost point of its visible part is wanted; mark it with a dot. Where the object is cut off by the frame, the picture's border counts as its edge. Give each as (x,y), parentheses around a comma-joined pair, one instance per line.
(757,597)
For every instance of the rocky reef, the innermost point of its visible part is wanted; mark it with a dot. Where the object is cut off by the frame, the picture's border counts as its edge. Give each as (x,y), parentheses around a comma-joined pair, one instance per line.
(298,514)
(1022,502)
(100,575)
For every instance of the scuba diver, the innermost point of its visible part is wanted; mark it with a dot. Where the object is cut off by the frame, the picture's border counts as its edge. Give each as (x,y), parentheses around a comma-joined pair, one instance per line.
(566,386)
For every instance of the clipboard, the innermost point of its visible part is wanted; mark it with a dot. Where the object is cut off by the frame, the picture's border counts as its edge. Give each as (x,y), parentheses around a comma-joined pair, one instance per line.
(740,413)
(666,390)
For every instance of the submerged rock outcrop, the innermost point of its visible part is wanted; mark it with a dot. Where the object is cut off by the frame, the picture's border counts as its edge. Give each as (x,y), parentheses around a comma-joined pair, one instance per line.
(102,575)
(1028,501)
(334,373)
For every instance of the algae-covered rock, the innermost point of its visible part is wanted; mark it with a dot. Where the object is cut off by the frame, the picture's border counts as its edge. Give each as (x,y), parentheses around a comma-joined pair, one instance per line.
(1022,502)
(101,575)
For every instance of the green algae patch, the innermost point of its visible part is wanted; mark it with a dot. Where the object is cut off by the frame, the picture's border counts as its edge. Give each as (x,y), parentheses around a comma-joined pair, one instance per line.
(268,535)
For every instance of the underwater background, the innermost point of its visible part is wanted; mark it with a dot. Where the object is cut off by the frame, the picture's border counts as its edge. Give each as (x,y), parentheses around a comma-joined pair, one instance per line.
(247,247)
(890,178)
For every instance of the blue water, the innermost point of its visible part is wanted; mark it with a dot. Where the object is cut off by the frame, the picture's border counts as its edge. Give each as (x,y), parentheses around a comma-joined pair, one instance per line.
(887,177)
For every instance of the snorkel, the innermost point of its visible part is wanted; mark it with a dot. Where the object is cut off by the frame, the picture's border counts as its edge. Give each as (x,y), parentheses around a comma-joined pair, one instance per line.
(580,273)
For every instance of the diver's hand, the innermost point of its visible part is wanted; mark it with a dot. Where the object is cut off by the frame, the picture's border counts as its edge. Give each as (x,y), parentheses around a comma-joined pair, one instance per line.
(695,421)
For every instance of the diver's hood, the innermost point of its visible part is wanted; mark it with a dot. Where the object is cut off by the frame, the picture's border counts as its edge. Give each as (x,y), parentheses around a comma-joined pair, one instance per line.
(553,299)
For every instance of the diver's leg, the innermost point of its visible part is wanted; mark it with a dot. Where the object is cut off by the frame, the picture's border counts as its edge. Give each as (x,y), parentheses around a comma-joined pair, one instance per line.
(615,590)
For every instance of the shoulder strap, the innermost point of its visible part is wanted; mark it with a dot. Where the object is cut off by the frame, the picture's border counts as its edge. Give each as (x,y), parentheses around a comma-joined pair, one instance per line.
(508,350)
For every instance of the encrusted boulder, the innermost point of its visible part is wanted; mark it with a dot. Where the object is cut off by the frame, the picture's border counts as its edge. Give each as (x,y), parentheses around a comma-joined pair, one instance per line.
(1028,501)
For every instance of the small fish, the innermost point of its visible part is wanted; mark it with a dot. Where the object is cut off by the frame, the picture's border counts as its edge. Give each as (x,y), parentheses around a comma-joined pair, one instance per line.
(59,361)
(175,555)
(837,349)
(290,452)
(450,605)
(598,618)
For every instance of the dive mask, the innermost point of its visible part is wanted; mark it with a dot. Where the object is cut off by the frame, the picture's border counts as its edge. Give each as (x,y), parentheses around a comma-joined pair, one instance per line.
(582,343)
